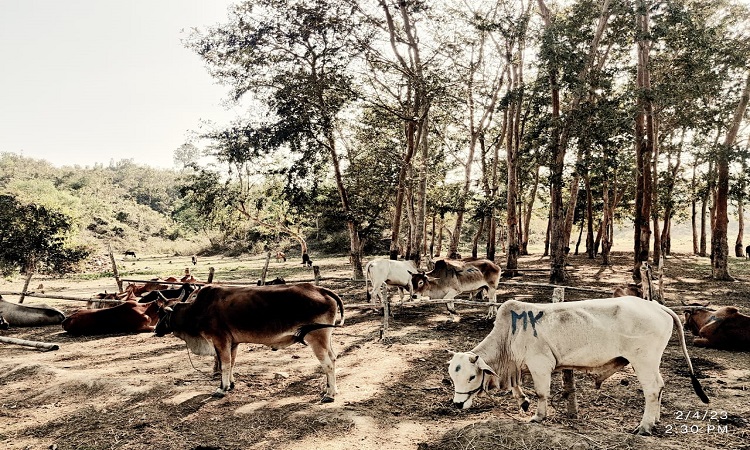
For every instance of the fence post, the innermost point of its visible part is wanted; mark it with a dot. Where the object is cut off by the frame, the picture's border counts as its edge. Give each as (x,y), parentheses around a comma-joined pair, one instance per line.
(316,272)
(265,268)
(114,268)
(386,312)
(210,275)
(26,285)
(569,383)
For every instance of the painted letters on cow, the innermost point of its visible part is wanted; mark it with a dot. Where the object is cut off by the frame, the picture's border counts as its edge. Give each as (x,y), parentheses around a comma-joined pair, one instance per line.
(527,316)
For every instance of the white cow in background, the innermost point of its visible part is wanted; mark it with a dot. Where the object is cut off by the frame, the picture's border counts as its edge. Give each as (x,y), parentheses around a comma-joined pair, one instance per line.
(391,272)
(594,336)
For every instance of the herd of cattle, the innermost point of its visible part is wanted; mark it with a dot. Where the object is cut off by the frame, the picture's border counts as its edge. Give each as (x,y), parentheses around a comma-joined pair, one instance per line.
(598,337)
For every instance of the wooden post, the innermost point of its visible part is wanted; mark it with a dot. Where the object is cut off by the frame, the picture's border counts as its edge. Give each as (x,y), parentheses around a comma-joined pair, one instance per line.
(316,271)
(265,269)
(114,268)
(211,271)
(40,345)
(386,313)
(569,382)
(660,292)
(646,283)
(26,285)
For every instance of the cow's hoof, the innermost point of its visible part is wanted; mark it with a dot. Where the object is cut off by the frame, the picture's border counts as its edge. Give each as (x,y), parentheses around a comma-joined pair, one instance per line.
(327,399)
(220,393)
(231,386)
(642,430)
(536,419)
(525,405)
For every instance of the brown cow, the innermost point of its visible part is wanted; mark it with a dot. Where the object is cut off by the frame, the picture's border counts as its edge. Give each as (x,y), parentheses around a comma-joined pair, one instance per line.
(631,289)
(220,318)
(153,285)
(452,277)
(724,328)
(127,317)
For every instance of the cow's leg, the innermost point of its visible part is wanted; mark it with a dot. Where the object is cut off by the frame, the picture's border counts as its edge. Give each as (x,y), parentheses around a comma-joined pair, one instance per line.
(701,342)
(231,366)
(542,380)
(492,311)
(223,351)
(521,399)
(320,343)
(652,385)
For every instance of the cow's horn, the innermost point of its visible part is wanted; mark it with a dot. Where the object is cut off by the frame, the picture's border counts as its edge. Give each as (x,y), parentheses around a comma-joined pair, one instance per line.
(168,309)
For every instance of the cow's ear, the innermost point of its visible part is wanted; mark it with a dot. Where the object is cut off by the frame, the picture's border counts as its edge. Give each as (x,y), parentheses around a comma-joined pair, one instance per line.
(485,367)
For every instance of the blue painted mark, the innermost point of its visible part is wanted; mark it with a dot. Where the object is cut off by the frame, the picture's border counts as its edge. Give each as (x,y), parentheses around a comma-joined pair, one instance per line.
(515,316)
(527,316)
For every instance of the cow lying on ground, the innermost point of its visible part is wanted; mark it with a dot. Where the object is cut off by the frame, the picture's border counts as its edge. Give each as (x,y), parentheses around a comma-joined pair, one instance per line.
(127,317)
(153,285)
(724,328)
(452,277)
(390,272)
(122,296)
(29,316)
(220,318)
(277,280)
(595,336)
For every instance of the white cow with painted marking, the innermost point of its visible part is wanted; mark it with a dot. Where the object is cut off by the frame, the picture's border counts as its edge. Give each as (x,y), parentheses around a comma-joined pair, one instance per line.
(595,336)
(390,272)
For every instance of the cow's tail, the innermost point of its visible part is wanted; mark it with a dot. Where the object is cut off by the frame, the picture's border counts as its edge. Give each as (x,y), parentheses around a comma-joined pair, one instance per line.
(367,279)
(340,304)
(299,336)
(681,332)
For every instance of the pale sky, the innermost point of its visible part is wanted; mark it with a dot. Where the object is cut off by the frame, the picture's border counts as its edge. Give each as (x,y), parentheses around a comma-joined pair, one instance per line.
(90,81)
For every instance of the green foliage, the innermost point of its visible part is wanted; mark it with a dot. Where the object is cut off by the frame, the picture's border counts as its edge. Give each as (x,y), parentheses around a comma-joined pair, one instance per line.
(34,239)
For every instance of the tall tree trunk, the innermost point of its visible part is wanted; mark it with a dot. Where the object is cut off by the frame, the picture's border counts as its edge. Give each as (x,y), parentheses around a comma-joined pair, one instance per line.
(475,243)
(589,218)
(739,251)
(580,234)
(704,205)
(440,234)
(720,247)
(693,208)
(527,216)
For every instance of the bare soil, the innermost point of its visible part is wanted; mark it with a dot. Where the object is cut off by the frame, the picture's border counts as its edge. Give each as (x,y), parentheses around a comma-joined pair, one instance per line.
(137,391)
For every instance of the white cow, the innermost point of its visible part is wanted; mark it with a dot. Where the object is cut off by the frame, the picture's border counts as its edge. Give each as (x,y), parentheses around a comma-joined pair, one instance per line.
(595,336)
(391,272)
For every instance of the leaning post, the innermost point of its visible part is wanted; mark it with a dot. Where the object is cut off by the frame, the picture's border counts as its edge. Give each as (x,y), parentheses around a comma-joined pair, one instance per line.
(114,268)
(265,268)
(386,313)
(211,271)
(569,382)
(316,272)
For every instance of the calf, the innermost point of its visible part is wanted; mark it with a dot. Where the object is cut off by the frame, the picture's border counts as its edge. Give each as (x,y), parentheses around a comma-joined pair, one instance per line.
(30,316)
(724,328)
(220,318)
(127,317)
(391,272)
(130,253)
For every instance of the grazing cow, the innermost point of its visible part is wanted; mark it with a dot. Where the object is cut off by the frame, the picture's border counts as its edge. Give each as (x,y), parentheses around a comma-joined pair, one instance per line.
(30,316)
(130,253)
(194,259)
(452,277)
(277,280)
(306,261)
(178,295)
(724,328)
(3,324)
(747,251)
(127,317)
(632,290)
(280,256)
(220,318)
(595,336)
(391,272)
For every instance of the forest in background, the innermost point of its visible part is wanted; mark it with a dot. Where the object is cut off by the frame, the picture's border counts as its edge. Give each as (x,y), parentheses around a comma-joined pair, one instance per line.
(421,129)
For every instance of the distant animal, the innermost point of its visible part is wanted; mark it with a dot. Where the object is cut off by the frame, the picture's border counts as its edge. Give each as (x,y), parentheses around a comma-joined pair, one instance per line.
(29,316)
(194,259)
(631,289)
(130,253)
(3,324)
(747,251)
(306,261)
(452,277)
(280,256)
(220,318)
(595,336)
(153,285)
(187,278)
(723,328)
(127,317)
(390,272)
(277,280)
(178,295)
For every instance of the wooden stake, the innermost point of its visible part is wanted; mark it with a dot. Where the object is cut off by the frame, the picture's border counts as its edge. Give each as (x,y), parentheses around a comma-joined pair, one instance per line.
(26,285)
(114,268)
(316,272)
(211,271)
(265,269)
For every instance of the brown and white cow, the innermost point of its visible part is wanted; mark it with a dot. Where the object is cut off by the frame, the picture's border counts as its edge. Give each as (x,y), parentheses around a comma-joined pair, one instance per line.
(595,336)
(220,318)
(452,277)
(723,328)
(29,316)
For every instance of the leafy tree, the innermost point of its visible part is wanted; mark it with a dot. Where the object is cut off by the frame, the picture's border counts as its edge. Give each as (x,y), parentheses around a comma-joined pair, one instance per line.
(34,238)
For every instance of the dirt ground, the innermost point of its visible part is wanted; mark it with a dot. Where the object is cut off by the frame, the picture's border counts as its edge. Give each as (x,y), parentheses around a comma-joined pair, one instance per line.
(138,391)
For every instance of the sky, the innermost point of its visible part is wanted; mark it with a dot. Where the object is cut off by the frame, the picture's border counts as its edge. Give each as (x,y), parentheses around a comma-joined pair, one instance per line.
(95,81)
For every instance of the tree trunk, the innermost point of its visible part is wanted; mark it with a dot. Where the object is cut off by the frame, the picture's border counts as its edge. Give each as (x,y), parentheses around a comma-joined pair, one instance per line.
(440,234)
(547,234)
(739,250)
(479,233)
(529,210)
(693,208)
(704,205)
(720,247)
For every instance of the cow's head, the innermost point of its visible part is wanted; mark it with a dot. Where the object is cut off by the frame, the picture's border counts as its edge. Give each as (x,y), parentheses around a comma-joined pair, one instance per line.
(697,318)
(164,325)
(420,281)
(470,375)
(3,324)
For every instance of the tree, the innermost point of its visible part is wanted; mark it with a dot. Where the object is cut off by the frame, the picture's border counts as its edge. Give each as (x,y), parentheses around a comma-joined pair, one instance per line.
(35,239)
